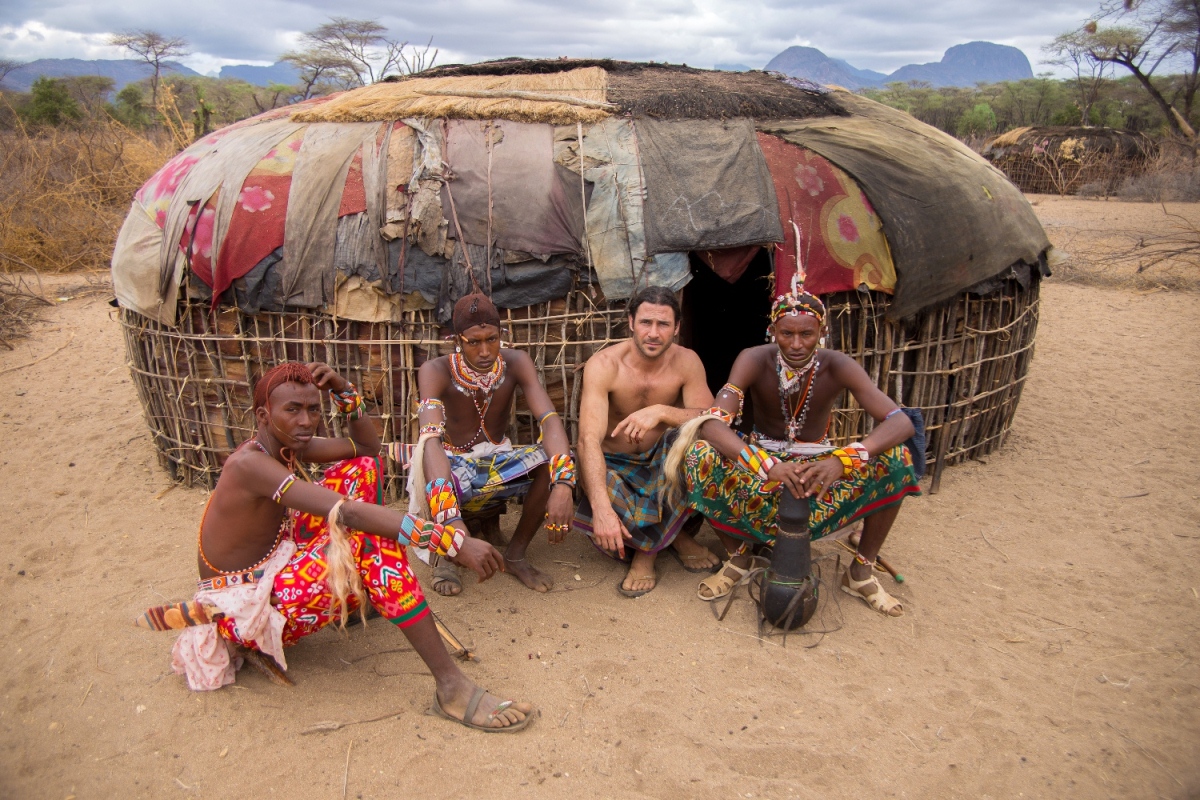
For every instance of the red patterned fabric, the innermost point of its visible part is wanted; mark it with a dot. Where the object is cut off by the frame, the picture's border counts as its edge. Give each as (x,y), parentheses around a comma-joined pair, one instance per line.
(300,593)
(842,244)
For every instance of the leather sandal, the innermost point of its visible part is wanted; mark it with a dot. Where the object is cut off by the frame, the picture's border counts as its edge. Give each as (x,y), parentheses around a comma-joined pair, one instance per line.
(875,596)
(722,583)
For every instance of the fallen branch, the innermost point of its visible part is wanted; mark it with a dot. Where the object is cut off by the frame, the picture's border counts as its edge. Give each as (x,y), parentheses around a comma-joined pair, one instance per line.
(330,726)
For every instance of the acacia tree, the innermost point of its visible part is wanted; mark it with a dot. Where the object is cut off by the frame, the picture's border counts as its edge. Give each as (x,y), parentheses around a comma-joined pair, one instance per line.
(1071,50)
(7,65)
(345,53)
(153,48)
(320,69)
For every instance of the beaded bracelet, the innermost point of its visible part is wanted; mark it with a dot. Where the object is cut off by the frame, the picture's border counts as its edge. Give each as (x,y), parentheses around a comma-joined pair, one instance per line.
(348,402)
(562,469)
(716,412)
(438,429)
(284,485)
(441,539)
(757,461)
(729,388)
(853,456)
(443,502)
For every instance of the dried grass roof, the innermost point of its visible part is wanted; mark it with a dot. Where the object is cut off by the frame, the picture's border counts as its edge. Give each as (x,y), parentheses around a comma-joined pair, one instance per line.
(1055,138)
(564,91)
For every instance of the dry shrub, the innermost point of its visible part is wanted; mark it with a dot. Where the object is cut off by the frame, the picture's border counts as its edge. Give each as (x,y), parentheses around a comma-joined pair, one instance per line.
(19,304)
(65,192)
(1174,176)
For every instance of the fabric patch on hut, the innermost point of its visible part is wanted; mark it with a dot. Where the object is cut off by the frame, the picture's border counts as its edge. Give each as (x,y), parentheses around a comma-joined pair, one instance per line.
(707,185)
(896,160)
(842,245)
(135,268)
(615,225)
(535,204)
(576,95)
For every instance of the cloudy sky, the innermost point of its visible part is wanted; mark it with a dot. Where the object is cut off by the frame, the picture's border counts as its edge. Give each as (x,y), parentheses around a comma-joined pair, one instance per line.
(872,34)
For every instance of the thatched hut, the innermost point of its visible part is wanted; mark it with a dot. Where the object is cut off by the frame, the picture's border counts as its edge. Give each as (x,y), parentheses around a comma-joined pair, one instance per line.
(344,228)
(1065,160)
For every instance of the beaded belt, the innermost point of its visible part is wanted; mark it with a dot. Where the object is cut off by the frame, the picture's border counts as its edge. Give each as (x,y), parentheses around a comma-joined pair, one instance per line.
(232,579)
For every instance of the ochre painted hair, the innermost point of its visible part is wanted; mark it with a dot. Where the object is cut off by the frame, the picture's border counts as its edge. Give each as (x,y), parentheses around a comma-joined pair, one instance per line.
(287,372)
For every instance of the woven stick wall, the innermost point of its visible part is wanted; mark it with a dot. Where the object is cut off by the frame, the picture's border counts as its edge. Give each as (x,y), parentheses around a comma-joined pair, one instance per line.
(962,364)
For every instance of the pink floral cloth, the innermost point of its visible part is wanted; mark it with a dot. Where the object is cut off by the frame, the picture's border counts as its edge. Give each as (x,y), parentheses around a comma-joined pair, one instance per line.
(205,657)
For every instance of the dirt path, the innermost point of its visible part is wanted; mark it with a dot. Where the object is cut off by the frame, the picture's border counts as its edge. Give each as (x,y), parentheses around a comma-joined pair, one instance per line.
(1050,648)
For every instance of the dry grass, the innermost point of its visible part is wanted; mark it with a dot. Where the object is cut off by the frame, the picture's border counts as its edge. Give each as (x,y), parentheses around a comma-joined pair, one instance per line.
(65,192)
(20,300)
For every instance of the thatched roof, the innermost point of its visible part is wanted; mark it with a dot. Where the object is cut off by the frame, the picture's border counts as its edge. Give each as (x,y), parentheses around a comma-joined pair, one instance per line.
(564,91)
(1068,142)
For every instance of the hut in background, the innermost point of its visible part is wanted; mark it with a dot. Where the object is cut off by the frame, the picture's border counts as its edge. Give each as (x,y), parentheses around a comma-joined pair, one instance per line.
(344,228)
(1066,160)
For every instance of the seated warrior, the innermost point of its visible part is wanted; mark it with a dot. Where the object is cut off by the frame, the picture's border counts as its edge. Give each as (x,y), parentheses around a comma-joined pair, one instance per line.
(464,463)
(635,394)
(793,384)
(281,557)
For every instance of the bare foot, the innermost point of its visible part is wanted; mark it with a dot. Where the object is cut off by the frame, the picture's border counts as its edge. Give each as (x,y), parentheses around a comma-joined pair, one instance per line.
(641,578)
(694,556)
(528,574)
(490,711)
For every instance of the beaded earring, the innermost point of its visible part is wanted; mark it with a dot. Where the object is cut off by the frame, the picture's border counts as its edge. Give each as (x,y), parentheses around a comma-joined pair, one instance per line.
(458,348)
(822,341)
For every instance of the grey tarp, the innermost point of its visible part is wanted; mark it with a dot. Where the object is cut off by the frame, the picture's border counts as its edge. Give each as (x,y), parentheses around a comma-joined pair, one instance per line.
(310,230)
(135,268)
(615,227)
(951,219)
(707,185)
(536,204)
(224,161)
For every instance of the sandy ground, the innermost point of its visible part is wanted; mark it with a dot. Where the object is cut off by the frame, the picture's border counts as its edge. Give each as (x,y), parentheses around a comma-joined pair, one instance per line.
(1051,645)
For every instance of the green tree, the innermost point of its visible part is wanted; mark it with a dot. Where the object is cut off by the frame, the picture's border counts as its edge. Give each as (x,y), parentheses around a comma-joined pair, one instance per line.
(153,48)
(978,121)
(50,103)
(129,107)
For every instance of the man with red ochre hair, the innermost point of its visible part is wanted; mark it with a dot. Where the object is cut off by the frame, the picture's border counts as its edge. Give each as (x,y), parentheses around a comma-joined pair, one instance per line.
(281,557)
(464,462)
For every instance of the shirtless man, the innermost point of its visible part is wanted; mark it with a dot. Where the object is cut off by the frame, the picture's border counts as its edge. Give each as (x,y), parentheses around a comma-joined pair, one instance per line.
(633,394)
(470,465)
(277,563)
(793,385)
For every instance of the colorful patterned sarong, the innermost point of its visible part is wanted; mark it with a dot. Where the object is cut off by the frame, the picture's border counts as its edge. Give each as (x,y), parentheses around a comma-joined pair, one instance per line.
(300,593)
(487,475)
(742,505)
(637,488)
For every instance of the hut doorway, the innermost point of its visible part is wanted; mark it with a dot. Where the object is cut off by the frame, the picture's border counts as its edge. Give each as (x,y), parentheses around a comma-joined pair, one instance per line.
(721,318)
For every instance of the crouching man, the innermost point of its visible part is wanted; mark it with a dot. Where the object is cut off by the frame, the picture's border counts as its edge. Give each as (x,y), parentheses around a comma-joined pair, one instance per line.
(281,557)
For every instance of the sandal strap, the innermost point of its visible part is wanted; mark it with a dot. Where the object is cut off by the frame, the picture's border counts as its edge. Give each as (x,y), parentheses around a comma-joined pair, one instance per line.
(473,706)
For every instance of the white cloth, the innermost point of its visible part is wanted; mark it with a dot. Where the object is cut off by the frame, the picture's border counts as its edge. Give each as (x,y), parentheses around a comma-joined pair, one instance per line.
(802,449)
(205,656)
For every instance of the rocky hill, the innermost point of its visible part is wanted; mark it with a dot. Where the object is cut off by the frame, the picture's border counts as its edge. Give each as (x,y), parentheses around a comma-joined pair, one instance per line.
(279,72)
(962,65)
(122,71)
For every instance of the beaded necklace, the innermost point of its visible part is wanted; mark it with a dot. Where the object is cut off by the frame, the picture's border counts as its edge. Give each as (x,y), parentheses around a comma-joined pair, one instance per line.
(789,383)
(472,383)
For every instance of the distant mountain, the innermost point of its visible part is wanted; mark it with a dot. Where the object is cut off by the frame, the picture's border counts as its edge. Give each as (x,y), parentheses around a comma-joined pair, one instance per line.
(122,71)
(732,67)
(279,72)
(811,63)
(969,64)
(962,65)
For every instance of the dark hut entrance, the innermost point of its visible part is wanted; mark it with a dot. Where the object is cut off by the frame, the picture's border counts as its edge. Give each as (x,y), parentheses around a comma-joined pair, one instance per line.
(723,314)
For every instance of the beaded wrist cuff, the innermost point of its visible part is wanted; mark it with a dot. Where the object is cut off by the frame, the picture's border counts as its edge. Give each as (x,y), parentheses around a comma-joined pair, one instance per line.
(853,456)
(716,412)
(348,403)
(441,539)
(756,461)
(443,502)
(562,469)
(438,429)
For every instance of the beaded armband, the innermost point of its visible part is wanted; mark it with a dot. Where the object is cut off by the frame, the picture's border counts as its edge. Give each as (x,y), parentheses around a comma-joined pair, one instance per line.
(562,469)
(756,461)
(438,429)
(431,404)
(853,456)
(348,403)
(443,502)
(284,485)
(733,391)
(716,412)
(441,539)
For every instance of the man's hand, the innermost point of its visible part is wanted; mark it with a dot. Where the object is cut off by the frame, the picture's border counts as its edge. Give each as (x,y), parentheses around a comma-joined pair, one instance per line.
(637,424)
(326,379)
(560,509)
(481,557)
(817,476)
(609,533)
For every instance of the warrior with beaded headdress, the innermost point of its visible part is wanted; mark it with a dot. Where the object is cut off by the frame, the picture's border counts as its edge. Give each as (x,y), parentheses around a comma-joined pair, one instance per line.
(282,556)
(464,465)
(735,479)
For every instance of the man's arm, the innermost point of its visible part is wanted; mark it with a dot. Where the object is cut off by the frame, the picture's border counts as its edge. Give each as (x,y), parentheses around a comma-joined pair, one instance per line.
(598,375)
(560,505)
(696,398)
(888,432)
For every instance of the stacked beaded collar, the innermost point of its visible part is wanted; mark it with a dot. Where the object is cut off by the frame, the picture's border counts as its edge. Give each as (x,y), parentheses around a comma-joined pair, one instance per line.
(468,380)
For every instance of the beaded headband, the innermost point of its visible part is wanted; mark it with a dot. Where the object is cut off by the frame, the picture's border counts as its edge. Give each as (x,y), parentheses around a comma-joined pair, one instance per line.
(798,301)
